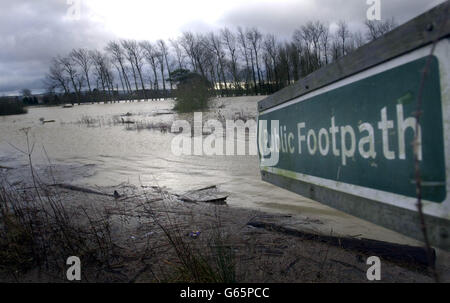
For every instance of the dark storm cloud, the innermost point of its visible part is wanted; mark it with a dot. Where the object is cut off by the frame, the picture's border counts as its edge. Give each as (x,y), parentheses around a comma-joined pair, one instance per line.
(32,32)
(283,18)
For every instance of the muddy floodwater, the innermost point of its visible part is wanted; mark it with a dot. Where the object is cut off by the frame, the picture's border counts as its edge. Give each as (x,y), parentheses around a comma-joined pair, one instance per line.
(110,144)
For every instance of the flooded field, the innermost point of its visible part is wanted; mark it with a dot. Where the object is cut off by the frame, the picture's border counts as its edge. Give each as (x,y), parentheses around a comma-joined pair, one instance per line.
(110,144)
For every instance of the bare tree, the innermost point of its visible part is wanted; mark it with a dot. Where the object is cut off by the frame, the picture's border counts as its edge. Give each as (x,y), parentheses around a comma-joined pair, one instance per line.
(211,66)
(160,58)
(26,92)
(151,55)
(254,37)
(188,43)
(336,49)
(56,77)
(97,60)
(68,65)
(194,48)
(230,41)
(376,29)
(325,42)
(299,46)
(285,62)
(343,33)
(270,47)
(358,39)
(178,52)
(82,58)
(214,44)
(294,59)
(245,52)
(312,33)
(135,57)
(117,53)
(103,72)
(164,51)
(119,72)
(109,76)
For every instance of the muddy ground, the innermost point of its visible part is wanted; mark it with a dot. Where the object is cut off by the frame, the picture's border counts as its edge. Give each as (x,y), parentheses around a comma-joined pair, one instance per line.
(157,236)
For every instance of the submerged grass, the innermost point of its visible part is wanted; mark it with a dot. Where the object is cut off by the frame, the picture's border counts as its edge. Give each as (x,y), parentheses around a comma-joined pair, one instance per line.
(130,124)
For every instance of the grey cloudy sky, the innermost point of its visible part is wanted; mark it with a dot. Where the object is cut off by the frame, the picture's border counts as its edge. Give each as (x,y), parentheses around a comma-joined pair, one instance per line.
(32,32)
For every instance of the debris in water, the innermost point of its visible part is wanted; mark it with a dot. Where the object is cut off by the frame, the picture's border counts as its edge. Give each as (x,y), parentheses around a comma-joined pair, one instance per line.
(46,121)
(80,189)
(116,195)
(403,254)
(208,194)
(126,121)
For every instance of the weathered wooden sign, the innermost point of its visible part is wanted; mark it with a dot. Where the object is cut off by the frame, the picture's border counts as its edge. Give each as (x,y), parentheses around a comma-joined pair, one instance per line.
(345,135)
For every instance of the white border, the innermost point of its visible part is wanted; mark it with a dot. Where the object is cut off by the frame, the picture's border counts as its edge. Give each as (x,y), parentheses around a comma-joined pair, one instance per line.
(442,210)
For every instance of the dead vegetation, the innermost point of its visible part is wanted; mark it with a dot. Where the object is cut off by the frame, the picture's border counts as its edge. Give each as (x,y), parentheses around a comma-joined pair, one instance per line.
(37,231)
(151,235)
(126,120)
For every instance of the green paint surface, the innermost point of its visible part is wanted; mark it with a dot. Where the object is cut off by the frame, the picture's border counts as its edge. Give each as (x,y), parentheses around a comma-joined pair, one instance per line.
(362,102)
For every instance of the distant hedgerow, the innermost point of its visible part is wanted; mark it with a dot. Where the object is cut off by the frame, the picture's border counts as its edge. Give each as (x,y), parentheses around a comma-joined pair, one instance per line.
(10,106)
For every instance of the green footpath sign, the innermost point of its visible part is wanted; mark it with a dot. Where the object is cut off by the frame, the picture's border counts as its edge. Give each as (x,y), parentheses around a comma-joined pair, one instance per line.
(363,133)
(348,135)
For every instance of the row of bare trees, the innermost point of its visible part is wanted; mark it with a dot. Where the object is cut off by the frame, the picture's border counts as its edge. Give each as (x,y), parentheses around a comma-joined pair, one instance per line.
(236,62)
